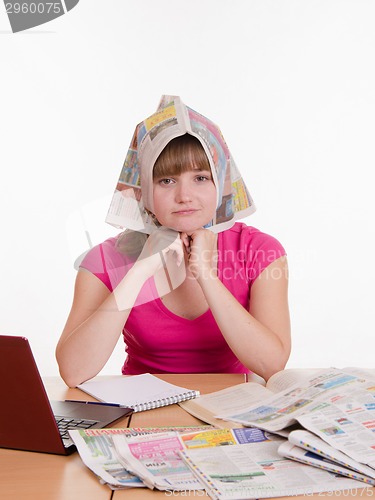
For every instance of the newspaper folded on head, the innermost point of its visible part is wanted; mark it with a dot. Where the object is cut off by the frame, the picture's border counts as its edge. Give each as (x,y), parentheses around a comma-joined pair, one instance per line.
(133,197)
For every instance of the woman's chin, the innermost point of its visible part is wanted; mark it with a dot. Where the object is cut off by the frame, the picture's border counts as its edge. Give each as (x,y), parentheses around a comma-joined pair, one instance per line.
(182,228)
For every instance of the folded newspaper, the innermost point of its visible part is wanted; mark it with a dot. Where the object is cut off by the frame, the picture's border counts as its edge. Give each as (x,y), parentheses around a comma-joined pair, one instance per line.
(304,446)
(256,470)
(336,405)
(227,463)
(133,199)
(97,451)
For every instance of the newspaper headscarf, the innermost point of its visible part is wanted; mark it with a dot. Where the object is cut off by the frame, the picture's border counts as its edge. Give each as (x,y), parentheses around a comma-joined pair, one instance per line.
(133,197)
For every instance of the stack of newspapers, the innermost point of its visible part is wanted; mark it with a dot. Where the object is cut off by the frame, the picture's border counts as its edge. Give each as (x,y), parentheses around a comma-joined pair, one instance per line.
(305,433)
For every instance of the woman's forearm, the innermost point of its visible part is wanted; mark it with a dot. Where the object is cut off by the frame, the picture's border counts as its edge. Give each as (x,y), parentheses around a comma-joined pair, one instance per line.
(86,350)
(258,347)
(83,350)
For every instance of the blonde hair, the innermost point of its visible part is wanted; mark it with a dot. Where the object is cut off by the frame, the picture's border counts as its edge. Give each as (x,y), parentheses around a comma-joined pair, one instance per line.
(181,154)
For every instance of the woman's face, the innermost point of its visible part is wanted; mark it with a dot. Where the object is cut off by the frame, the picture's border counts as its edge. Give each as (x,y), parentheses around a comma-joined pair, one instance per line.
(185,202)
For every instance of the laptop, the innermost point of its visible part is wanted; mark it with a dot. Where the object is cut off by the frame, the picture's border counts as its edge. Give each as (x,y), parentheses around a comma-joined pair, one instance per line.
(28,420)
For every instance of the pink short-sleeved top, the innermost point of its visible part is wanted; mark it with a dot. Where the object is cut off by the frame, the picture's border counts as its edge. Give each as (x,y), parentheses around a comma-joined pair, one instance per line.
(159,341)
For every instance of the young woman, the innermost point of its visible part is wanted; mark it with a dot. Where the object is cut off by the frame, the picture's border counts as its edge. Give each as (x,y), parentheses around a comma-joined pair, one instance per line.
(228,313)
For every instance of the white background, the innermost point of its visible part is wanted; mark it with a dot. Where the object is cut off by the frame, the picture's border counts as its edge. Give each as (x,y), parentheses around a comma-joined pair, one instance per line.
(291,84)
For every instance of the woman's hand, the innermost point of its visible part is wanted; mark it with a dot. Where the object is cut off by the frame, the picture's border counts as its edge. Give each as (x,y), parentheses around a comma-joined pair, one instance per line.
(160,243)
(201,251)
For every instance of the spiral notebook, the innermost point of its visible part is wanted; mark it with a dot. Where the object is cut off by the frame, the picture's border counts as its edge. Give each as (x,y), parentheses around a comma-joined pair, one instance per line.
(140,392)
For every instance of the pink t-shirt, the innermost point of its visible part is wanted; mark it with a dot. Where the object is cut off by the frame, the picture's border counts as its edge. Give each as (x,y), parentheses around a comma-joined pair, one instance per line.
(159,341)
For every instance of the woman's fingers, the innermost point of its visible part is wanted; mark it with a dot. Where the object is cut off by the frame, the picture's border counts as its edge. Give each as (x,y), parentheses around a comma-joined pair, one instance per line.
(177,248)
(158,241)
(186,240)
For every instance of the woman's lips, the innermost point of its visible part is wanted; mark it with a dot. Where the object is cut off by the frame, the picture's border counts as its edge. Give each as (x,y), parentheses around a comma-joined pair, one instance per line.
(185,212)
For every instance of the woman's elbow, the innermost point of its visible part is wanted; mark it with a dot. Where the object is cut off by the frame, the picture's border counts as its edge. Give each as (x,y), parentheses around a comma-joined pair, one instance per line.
(70,379)
(274,365)
(66,372)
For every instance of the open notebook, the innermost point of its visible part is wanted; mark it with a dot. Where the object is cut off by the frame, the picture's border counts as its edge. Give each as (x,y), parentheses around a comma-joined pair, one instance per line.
(139,392)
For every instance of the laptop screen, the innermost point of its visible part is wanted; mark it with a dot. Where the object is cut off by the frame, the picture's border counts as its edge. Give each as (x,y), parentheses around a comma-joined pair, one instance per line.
(27,421)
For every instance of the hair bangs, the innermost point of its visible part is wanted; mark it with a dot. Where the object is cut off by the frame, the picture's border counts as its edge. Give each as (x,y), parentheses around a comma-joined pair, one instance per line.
(181,154)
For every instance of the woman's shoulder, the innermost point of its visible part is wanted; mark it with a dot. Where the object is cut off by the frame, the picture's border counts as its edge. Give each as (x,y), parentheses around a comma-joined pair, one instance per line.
(122,248)
(242,236)
(109,261)
(248,247)
(96,253)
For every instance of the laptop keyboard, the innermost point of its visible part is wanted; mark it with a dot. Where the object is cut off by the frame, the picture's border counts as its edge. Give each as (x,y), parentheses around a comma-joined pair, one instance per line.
(66,424)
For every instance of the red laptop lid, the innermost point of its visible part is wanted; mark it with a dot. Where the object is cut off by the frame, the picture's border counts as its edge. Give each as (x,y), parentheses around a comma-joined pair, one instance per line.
(26,418)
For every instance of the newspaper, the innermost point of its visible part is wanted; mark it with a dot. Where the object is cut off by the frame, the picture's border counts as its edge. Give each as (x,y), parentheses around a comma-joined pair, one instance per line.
(156,461)
(156,458)
(257,471)
(336,405)
(292,452)
(240,397)
(308,448)
(282,409)
(347,424)
(238,463)
(98,453)
(132,200)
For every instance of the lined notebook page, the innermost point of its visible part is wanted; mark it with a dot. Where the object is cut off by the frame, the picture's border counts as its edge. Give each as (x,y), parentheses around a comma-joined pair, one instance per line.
(140,392)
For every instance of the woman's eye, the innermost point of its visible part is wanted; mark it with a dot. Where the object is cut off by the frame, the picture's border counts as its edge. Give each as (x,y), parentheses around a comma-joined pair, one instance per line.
(202,178)
(165,182)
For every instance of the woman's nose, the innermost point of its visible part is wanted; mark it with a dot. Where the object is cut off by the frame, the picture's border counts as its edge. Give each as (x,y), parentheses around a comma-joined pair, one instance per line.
(183,192)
